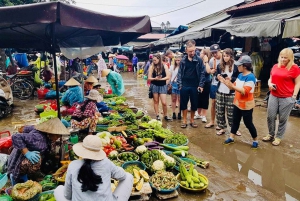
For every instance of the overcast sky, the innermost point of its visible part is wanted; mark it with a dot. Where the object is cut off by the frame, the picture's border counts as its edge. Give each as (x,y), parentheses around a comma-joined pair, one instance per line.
(195,9)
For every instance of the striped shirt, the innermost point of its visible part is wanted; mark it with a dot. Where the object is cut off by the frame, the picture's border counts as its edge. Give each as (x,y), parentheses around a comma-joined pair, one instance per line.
(246,101)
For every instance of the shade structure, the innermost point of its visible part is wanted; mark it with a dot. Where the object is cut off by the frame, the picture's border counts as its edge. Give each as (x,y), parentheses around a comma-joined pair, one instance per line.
(292,28)
(45,25)
(28,26)
(258,25)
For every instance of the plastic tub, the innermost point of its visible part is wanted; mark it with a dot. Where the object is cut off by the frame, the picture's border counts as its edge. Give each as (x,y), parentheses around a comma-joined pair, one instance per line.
(3,180)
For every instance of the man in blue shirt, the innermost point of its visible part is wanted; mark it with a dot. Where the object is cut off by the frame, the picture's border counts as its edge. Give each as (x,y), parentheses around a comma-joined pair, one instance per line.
(134,62)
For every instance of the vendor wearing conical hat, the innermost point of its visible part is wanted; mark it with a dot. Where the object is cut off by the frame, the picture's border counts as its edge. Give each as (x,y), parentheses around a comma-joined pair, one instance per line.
(29,148)
(115,80)
(86,115)
(74,94)
(88,84)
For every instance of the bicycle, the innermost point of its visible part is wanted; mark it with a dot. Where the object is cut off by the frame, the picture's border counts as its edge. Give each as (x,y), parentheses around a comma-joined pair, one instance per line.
(21,85)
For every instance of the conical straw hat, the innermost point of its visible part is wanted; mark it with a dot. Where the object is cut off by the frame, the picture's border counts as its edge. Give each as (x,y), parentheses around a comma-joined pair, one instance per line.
(105,72)
(53,126)
(91,78)
(72,82)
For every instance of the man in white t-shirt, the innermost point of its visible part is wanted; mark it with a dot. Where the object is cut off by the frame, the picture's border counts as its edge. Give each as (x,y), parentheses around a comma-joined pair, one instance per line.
(213,63)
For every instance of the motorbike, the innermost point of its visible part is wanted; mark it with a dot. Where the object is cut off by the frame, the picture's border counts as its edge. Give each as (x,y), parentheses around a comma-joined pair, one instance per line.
(6,98)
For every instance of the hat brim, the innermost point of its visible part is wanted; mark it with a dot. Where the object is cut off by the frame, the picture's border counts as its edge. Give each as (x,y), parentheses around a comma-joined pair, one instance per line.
(238,63)
(87,154)
(98,99)
(105,72)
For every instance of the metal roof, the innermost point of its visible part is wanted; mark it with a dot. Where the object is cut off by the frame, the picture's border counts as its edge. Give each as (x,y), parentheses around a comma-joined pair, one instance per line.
(253,4)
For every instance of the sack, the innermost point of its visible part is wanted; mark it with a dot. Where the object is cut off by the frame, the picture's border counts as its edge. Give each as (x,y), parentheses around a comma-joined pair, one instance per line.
(150,92)
(27,167)
(169,89)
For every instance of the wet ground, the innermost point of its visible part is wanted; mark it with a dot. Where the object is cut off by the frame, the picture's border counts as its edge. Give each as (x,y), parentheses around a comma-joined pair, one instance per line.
(236,172)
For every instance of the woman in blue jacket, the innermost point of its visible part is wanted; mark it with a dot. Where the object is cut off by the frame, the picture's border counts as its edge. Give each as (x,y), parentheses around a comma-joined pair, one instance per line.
(74,94)
(115,80)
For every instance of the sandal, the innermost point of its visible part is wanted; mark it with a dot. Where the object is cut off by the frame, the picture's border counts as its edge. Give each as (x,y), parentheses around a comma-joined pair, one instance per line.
(218,128)
(209,126)
(183,126)
(220,132)
(268,138)
(276,142)
(193,125)
(238,133)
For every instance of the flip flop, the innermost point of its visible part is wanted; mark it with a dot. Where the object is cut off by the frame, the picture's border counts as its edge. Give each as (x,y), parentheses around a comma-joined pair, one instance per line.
(183,126)
(193,125)
(220,132)
(209,126)
(238,133)
(218,128)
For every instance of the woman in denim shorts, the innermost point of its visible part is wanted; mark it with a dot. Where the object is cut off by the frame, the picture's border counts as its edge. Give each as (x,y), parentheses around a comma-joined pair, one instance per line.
(175,91)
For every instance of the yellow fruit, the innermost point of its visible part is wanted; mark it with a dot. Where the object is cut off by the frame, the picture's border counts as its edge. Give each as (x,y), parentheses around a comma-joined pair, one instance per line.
(147,140)
(136,174)
(145,175)
(135,181)
(140,184)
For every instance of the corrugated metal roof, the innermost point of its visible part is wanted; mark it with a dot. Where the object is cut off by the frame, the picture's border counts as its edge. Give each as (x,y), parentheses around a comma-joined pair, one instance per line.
(152,36)
(253,4)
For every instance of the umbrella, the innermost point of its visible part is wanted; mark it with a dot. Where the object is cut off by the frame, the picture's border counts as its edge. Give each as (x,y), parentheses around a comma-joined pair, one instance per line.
(45,25)
(122,57)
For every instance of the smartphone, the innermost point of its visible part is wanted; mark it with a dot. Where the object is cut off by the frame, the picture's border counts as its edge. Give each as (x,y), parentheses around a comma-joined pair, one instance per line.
(274,86)
(224,75)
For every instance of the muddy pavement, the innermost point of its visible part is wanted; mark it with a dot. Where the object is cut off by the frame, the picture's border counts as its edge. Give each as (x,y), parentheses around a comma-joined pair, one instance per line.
(236,172)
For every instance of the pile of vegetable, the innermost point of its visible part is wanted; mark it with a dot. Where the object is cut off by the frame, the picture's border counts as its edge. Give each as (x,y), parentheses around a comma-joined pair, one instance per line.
(139,177)
(163,180)
(47,197)
(191,179)
(128,156)
(130,168)
(177,139)
(25,191)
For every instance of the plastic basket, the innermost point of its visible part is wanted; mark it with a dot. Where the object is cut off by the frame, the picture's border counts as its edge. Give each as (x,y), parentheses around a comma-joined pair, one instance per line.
(48,113)
(3,180)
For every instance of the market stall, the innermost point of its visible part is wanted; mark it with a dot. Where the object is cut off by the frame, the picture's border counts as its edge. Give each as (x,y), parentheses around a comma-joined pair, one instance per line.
(158,158)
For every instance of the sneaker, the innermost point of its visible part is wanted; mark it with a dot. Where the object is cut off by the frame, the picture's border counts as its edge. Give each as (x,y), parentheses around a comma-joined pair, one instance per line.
(204,120)
(167,118)
(198,116)
(254,145)
(228,141)
(179,116)
(158,118)
(174,115)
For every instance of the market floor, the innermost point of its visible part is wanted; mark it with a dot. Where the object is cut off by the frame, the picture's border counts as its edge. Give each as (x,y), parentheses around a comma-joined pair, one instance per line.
(236,172)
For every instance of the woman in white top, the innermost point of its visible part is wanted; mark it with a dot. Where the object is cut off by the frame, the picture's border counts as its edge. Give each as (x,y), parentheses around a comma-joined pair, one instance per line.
(227,70)
(175,91)
(89,179)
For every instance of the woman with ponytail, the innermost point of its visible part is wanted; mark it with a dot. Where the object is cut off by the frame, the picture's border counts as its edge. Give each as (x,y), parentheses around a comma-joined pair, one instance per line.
(90,178)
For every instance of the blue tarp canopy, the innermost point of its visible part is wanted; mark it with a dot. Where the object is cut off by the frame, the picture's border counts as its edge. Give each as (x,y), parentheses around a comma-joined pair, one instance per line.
(180,29)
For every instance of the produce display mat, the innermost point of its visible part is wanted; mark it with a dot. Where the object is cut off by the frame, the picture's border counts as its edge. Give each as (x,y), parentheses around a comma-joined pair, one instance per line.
(164,196)
(146,189)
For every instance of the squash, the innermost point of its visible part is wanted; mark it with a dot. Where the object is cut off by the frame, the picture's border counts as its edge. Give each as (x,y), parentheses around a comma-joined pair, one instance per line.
(140,184)
(144,175)
(136,174)
(135,181)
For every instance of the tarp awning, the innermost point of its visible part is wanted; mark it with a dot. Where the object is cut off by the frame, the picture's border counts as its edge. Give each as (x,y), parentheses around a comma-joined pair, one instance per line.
(196,32)
(29,26)
(292,28)
(259,25)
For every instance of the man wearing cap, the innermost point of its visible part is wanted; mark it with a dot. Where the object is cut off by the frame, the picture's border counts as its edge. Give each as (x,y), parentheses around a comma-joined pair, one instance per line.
(134,62)
(30,147)
(213,63)
(74,94)
(190,79)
